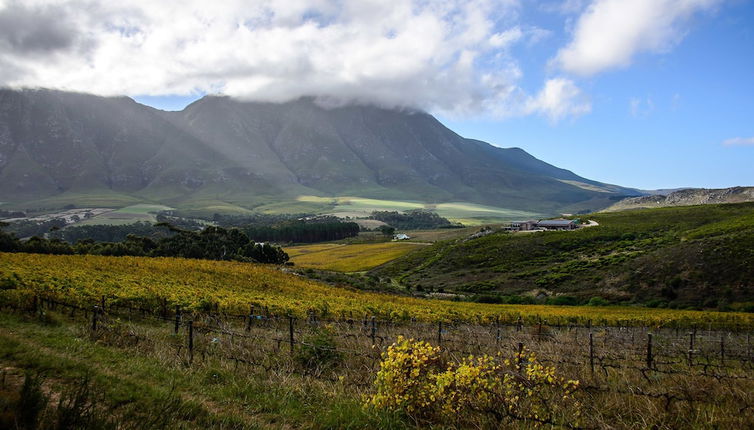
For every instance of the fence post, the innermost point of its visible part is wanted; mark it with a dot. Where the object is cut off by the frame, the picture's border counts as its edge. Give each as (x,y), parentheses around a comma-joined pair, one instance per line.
(290,331)
(649,350)
(191,341)
(35,304)
(520,355)
(102,304)
(591,352)
(177,319)
(497,327)
(439,332)
(722,349)
(94,318)
(251,317)
(519,323)
(692,334)
(373,333)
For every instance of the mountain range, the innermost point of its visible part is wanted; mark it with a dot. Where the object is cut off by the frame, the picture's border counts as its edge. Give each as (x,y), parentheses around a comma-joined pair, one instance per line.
(219,153)
(687,197)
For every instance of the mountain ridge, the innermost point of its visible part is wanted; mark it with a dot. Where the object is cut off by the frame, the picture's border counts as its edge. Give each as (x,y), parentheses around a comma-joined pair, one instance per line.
(686,197)
(55,144)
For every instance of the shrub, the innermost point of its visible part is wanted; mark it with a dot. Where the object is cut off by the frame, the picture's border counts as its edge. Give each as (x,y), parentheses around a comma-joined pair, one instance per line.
(319,350)
(598,301)
(476,392)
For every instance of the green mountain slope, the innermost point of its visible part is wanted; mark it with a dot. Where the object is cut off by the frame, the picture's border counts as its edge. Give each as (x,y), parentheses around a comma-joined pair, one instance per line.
(686,256)
(220,152)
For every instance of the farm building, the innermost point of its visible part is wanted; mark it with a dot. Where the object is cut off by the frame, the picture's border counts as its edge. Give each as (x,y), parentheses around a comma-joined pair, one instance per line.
(401,236)
(558,224)
(523,225)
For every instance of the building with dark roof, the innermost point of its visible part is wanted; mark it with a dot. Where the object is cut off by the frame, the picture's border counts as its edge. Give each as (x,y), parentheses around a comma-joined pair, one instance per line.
(558,224)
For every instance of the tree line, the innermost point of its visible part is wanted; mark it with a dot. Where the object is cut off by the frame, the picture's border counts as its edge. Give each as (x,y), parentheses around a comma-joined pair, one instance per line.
(212,243)
(302,231)
(416,219)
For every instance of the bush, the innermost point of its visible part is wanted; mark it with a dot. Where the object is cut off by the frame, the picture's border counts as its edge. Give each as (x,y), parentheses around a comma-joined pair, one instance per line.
(318,350)
(598,301)
(477,392)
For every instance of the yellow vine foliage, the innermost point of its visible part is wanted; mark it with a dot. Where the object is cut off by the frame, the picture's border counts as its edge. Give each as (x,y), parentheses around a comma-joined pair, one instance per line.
(193,284)
(479,391)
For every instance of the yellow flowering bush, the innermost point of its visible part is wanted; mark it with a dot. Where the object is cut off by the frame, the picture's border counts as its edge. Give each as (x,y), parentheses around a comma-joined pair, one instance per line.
(477,391)
(406,377)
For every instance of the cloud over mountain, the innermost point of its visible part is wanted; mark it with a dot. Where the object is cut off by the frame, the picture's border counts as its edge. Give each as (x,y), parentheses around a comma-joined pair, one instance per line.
(450,55)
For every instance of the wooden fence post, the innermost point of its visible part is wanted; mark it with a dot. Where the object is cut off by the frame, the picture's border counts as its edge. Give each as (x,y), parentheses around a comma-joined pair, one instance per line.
(649,350)
(290,331)
(497,327)
(373,333)
(94,318)
(439,332)
(177,319)
(722,349)
(692,334)
(520,355)
(251,317)
(591,352)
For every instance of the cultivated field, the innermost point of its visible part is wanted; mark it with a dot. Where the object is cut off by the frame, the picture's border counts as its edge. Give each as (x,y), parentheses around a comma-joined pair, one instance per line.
(204,284)
(346,257)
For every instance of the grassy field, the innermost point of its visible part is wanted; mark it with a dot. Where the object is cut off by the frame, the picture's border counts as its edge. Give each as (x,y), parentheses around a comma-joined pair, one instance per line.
(466,213)
(127,215)
(685,256)
(196,284)
(348,258)
(132,371)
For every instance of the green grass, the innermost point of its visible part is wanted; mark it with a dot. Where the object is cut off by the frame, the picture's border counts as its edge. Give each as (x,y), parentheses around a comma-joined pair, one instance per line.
(127,215)
(146,387)
(466,213)
(700,256)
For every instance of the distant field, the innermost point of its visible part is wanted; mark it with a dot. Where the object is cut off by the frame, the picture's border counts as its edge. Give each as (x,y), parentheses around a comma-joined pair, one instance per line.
(126,215)
(348,258)
(466,213)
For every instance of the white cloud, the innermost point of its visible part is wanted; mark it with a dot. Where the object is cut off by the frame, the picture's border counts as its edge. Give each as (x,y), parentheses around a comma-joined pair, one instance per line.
(610,33)
(558,99)
(641,108)
(739,141)
(447,56)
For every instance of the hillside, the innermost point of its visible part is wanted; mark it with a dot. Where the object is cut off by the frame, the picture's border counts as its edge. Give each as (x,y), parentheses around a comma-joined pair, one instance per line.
(220,154)
(700,256)
(686,197)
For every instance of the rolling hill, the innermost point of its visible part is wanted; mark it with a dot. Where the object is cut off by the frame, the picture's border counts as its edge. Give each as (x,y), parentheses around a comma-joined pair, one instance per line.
(221,154)
(699,256)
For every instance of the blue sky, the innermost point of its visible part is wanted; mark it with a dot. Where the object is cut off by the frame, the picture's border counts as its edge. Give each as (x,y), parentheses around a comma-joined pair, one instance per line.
(641,93)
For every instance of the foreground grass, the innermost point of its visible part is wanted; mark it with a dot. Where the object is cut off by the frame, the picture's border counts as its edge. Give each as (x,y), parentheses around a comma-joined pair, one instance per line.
(145,387)
(348,258)
(202,284)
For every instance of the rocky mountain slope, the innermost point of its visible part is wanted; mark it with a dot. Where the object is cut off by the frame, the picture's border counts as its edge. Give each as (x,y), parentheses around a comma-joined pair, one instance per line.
(687,197)
(57,147)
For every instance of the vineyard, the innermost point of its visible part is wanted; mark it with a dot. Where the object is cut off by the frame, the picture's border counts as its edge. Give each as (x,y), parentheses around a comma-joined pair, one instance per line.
(205,285)
(618,377)
(342,355)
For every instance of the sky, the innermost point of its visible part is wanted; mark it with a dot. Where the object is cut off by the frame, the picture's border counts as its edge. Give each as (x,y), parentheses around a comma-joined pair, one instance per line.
(641,93)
